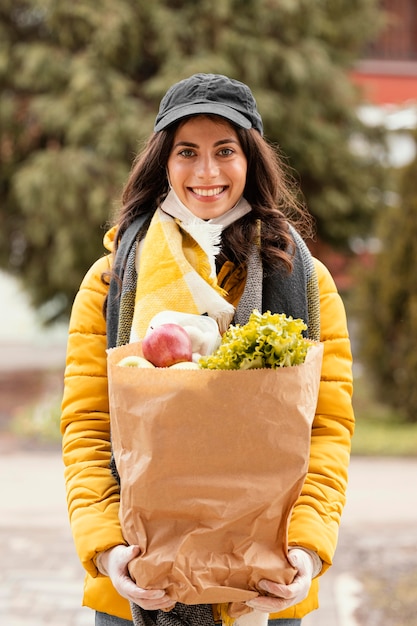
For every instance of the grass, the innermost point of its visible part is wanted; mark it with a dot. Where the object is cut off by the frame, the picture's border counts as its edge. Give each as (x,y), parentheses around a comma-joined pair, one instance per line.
(40,421)
(380,430)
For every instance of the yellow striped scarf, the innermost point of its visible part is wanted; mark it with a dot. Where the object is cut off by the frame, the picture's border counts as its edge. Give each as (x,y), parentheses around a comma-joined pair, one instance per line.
(175,274)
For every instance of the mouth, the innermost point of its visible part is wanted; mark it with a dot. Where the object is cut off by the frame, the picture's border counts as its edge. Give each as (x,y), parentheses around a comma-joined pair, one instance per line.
(207,193)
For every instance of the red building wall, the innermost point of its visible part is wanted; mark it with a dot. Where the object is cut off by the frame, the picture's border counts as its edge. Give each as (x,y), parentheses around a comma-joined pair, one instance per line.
(388,73)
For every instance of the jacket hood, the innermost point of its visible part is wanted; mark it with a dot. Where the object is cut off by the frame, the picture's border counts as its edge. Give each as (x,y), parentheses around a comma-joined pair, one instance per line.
(109,238)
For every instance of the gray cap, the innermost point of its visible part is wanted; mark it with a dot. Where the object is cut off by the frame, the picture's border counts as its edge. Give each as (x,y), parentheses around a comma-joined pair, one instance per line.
(211,94)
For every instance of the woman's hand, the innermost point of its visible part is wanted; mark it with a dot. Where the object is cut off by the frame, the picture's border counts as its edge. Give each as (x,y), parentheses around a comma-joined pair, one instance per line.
(283,596)
(114,564)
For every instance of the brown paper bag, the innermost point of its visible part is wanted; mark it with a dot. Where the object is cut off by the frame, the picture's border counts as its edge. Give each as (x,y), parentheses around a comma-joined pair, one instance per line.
(211,464)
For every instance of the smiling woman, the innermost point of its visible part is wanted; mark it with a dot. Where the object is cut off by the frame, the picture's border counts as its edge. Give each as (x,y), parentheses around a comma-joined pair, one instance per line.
(209,225)
(207,166)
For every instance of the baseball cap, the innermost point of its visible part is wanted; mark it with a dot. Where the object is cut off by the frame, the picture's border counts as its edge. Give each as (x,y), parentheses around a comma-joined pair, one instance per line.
(213,94)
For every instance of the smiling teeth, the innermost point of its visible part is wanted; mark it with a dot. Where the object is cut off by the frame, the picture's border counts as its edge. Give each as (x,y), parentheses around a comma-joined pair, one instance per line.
(208,192)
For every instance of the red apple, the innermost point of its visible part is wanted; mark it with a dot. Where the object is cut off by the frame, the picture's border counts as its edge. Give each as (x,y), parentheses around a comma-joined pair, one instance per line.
(167,344)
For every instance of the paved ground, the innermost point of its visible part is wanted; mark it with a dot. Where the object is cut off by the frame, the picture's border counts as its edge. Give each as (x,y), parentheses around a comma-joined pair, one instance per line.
(40,577)
(379,530)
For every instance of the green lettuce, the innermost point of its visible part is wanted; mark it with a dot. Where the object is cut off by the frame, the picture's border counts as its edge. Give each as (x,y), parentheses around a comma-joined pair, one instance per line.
(267,340)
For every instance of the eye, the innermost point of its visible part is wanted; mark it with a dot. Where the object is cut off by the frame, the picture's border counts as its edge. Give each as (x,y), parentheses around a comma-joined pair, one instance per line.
(186,153)
(226,151)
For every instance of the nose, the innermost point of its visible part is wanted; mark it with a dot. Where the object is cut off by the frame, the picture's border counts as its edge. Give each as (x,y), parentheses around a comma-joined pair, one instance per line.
(207,167)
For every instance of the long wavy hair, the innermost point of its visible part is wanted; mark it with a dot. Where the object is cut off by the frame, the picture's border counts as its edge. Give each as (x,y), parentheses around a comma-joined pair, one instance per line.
(270,190)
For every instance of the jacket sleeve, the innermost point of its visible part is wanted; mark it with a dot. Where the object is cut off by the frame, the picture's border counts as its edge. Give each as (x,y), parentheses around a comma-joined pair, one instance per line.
(92,492)
(316,516)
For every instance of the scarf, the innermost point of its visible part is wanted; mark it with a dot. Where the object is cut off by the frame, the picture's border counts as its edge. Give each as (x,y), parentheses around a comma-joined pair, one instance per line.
(180,615)
(295,294)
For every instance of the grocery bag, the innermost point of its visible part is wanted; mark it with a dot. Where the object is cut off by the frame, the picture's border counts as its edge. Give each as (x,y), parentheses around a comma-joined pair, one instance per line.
(211,463)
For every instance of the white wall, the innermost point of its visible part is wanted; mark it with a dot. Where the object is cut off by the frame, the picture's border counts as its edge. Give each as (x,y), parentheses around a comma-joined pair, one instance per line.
(18,321)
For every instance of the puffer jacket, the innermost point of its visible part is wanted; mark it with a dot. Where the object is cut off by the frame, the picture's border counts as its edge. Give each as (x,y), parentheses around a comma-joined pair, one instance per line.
(92,492)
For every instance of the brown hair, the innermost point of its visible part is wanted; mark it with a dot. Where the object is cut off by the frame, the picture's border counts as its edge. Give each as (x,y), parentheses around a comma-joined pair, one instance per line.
(269,189)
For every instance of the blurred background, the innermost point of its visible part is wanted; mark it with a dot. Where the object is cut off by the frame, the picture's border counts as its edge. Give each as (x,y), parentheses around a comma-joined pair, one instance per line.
(336,84)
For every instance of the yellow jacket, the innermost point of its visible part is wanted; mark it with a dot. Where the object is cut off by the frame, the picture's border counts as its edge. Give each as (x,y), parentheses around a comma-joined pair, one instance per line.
(92,492)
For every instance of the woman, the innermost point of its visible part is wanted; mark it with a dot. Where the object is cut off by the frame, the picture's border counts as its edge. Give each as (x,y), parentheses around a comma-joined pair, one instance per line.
(207,172)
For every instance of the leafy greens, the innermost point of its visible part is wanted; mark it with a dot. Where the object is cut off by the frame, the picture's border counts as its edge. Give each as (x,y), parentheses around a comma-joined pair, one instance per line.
(267,340)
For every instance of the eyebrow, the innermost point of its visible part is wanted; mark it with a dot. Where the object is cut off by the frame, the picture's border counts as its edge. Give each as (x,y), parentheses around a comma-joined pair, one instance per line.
(221,142)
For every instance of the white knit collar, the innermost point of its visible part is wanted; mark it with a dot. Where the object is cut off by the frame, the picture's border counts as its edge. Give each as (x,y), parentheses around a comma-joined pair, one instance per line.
(206,233)
(174,207)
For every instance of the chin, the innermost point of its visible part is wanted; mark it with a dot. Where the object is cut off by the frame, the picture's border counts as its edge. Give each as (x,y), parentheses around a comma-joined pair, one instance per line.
(207,212)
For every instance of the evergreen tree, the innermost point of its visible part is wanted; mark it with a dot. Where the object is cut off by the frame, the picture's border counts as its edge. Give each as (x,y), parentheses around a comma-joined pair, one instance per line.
(388,302)
(81,82)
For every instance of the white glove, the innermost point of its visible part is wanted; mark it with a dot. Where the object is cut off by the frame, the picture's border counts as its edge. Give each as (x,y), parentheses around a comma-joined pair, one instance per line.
(114,564)
(283,596)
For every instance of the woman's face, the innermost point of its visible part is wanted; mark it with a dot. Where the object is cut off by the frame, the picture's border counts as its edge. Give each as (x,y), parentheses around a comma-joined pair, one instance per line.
(207,167)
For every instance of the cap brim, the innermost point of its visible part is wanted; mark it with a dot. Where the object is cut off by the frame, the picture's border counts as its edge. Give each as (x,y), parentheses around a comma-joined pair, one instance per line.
(210,108)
